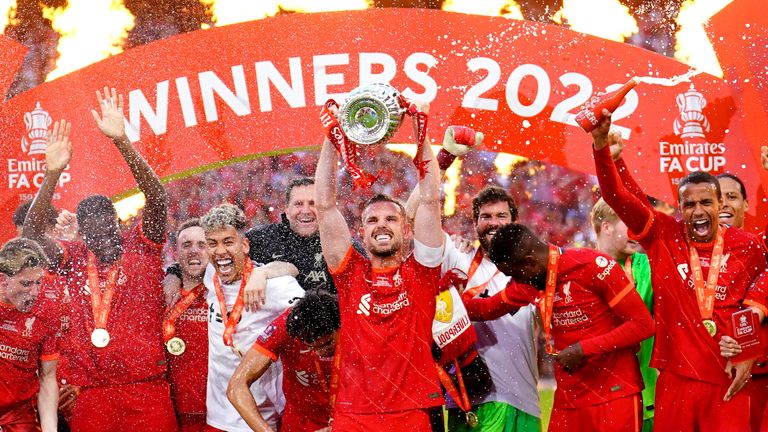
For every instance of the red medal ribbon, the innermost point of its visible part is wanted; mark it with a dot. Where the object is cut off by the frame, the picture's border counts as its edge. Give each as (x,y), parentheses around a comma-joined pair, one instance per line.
(471,292)
(420,132)
(628,270)
(100,306)
(459,396)
(344,146)
(546,305)
(230,322)
(705,293)
(187,298)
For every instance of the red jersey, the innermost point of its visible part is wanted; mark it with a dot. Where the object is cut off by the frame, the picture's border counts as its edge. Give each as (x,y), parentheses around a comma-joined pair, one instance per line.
(386,336)
(682,344)
(589,286)
(188,372)
(135,351)
(24,341)
(306,378)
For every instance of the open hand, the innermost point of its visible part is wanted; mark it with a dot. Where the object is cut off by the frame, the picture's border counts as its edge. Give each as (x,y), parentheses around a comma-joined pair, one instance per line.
(255,293)
(111,121)
(58,153)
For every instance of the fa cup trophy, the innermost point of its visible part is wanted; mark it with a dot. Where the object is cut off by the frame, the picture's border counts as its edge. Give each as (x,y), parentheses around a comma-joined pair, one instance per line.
(371,115)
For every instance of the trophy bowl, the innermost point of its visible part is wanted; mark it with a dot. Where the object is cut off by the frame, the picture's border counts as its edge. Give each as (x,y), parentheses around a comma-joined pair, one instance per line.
(371,114)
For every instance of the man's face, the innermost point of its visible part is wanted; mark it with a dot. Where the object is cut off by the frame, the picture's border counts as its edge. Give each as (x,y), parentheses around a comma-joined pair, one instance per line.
(618,240)
(102,236)
(490,218)
(227,251)
(22,289)
(734,203)
(700,207)
(383,229)
(324,346)
(191,252)
(301,212)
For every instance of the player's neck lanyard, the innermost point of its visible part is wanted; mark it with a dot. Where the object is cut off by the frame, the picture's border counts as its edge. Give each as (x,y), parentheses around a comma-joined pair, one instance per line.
(471,292)
(459,396)
(628,270)
(187,298)
(546,305)
(705,293)
(101,305)
(230,323)
(331,390)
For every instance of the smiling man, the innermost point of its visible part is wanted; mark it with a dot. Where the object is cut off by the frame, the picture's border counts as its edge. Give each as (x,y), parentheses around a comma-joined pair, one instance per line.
(701,273)
(734,196)
(231,328)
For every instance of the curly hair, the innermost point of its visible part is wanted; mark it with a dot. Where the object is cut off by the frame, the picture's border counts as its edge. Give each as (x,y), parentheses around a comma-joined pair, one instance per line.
(314,316)
(222,216)
(19,254)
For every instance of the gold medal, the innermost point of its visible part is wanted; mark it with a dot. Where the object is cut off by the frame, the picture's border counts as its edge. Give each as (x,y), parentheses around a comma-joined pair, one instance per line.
(176,346)
(100,337)
(472,420)
(710,326)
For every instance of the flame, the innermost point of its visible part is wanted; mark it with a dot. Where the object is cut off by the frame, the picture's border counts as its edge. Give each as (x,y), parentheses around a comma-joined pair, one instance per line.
(505,162)
(91,30)
(7,13)
(608,19)
(451,175)
(505,8)
(226,12)
(129,206)
(692,46)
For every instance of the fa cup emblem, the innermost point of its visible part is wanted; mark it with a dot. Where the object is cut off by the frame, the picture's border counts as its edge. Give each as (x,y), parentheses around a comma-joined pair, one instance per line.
(37,122)
(692,123)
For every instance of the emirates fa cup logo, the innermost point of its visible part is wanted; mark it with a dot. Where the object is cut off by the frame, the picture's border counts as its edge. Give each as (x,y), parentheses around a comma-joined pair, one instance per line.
(692,123)
(37,122)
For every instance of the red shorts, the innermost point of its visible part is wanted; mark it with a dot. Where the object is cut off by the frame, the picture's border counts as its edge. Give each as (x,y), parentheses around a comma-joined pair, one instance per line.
(684,404)
(623,414)
(22,418)
(412,421)
(758,403)
(137,407)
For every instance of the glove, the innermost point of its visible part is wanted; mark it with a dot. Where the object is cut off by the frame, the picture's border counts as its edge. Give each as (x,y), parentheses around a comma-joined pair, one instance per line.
(458,141)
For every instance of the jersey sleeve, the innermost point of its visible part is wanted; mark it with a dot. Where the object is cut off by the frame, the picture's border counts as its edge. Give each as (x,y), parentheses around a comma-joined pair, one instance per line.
(630,209)
(510,299)
(428,256)
(630,184)
(255,238)
(274,338)
(50,348)
(137,232)
(620,295)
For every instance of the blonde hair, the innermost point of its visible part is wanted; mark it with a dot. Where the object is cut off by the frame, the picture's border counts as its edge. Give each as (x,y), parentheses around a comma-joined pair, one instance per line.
(19,254)
(602,212)
(222,216)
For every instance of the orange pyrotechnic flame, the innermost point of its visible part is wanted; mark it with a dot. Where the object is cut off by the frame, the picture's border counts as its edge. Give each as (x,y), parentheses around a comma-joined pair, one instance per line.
(90,30)
(451,175)
(226,12)
(692,46)
(504,8)
(505,162)
(7,13)
(608,19)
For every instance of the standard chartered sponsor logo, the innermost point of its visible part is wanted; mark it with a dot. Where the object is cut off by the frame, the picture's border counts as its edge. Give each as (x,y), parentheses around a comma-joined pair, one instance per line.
(364,308)
(13,353)
(569,318)
(195,315)
(389,308)
(303,378)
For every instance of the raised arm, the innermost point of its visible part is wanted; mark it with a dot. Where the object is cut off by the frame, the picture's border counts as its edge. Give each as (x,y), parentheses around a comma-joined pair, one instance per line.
(112,124)
(427,226)
(251,368)
(617,148)
(57,157)
(335,239)
(630,209)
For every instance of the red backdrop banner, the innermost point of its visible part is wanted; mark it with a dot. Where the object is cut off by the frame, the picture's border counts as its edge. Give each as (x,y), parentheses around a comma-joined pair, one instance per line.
(227,92)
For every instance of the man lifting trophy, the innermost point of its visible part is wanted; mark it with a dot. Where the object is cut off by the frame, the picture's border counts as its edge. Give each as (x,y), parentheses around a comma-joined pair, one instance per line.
(371,115)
